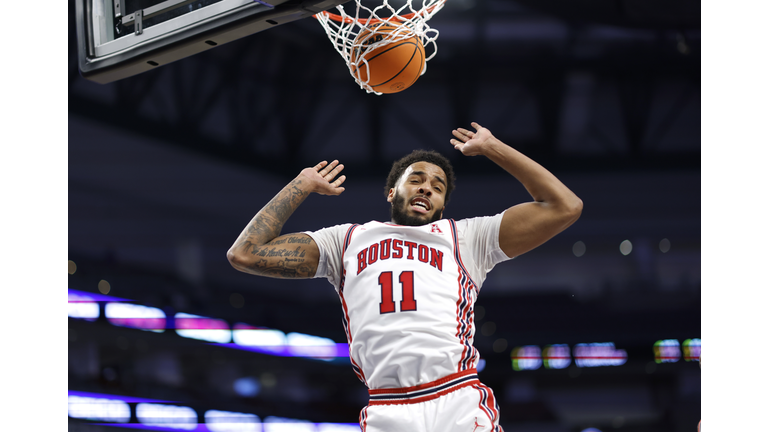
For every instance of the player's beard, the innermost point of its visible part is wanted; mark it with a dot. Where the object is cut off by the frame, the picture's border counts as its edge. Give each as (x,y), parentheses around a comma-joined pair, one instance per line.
(401,217)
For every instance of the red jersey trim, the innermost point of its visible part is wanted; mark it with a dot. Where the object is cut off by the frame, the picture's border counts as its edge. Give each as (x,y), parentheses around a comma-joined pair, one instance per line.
(424,392)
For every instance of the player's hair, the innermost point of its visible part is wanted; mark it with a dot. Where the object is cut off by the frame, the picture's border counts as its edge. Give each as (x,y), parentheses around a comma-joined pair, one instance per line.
(430,156)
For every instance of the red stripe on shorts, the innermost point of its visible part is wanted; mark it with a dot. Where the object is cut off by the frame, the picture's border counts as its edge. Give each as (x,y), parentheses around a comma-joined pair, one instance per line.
(424,392)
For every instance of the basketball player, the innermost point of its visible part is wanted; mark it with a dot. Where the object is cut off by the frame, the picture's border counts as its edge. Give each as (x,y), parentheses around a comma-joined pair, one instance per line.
(407,287)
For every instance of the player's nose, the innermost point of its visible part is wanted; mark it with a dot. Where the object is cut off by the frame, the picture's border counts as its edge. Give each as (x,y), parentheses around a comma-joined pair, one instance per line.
(426,190)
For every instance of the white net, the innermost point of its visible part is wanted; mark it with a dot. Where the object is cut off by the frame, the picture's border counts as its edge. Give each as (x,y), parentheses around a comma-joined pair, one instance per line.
(410,19)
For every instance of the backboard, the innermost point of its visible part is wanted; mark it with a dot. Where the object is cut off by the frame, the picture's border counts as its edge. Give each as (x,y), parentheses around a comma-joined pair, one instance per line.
(120,38)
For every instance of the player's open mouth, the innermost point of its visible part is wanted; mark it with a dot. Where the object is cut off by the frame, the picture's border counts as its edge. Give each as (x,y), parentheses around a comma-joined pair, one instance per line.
(420,205)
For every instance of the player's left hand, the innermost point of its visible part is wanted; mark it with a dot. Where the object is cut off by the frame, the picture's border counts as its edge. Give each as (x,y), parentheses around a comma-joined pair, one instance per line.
(472,143)
(324,178)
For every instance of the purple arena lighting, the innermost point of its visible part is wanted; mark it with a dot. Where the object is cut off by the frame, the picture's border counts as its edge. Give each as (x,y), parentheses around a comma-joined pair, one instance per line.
(127,399)
(76,296)
(187,322)
(135,316)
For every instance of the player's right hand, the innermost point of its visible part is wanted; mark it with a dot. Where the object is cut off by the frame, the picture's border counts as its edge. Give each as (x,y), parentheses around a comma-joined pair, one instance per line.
(472,143)
(322,178)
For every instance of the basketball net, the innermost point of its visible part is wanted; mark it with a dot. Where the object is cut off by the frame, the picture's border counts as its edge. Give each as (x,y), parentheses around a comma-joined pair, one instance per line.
(342,29)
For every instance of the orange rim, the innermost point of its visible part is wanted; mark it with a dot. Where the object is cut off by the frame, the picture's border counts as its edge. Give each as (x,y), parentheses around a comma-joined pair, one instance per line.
(401,18)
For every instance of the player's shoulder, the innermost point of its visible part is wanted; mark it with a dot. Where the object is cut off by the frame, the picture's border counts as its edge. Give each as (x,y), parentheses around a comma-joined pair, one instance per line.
(478,222)
(330,231)
(349,229)
(477,219)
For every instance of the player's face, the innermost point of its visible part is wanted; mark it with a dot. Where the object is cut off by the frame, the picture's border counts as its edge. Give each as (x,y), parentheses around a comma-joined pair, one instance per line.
(419,195)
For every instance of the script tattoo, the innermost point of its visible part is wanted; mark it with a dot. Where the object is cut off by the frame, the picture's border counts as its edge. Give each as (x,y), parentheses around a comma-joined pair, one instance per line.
(302,240)
(290,240)
(274,252)
(288,268)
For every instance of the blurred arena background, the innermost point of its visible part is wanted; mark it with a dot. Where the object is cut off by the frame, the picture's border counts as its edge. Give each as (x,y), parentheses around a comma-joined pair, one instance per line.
(166,168)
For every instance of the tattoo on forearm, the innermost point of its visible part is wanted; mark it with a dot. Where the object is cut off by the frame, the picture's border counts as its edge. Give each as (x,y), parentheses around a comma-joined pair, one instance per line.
(247,246)
(283,206)
(270,220)
(283,257)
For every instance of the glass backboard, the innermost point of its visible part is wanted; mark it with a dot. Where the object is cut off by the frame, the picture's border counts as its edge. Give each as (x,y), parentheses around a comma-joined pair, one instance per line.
(120,38)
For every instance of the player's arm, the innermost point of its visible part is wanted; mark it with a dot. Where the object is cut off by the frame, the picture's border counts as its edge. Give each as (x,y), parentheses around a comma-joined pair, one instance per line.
(527,225)
(261,250)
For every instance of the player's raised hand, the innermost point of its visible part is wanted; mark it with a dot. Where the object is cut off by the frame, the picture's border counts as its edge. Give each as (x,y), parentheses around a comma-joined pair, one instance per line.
(472,143)
(322,178)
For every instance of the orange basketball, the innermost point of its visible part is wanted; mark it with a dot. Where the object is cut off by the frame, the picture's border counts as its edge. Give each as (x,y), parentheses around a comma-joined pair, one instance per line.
(393,67)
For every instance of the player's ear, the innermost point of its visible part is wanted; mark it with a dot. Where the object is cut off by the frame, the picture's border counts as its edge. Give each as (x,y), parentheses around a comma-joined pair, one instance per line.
(391,195)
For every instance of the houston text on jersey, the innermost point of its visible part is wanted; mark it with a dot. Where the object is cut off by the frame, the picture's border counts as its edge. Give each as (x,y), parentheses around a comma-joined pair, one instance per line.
(399,249)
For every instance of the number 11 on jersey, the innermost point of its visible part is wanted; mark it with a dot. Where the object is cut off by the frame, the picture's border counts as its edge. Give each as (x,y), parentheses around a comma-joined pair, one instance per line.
(408,302)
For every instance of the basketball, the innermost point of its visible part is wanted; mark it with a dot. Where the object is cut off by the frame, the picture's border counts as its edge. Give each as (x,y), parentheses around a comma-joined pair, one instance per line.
(393,67)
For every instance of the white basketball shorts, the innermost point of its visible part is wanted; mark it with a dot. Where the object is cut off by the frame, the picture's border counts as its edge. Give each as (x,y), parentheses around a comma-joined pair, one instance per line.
(456,403)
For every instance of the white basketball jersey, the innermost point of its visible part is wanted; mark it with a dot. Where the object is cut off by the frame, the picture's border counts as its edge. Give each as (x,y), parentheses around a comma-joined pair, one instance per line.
(408,299)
